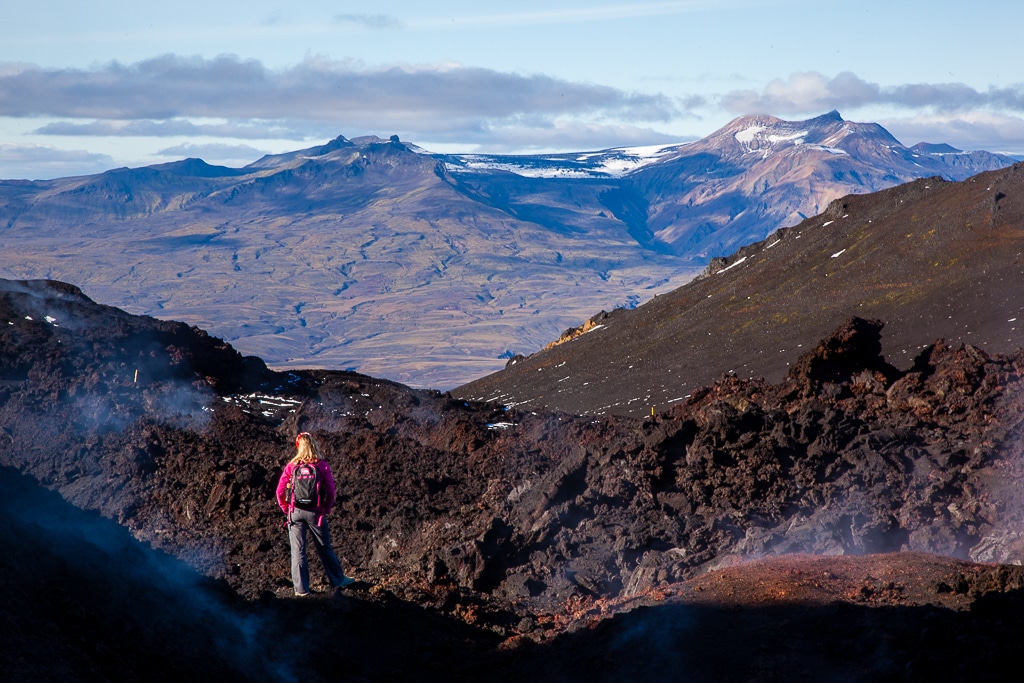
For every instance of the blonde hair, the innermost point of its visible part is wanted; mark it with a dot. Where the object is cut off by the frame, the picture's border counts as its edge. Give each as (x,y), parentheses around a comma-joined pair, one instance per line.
(307,449)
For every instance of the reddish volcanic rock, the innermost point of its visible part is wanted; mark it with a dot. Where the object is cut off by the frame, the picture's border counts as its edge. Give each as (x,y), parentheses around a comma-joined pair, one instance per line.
(576,542)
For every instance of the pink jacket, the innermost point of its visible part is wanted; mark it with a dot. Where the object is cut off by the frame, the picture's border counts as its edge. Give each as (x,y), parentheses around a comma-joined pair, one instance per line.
(327,491)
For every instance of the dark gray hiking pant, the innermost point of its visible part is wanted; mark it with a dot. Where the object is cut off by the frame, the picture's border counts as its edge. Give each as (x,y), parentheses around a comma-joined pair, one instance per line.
(298,522)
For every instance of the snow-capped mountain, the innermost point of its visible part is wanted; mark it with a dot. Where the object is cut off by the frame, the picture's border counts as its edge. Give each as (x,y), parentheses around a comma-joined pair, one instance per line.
(754,175)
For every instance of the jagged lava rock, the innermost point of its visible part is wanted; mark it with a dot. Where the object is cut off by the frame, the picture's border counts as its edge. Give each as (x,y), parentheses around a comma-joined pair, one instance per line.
(526,527)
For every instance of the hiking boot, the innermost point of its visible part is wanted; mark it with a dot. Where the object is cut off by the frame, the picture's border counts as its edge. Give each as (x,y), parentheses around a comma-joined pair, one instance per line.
(346,582)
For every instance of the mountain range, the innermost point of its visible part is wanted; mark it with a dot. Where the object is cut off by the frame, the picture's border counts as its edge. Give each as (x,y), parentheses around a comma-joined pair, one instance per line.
(435,269)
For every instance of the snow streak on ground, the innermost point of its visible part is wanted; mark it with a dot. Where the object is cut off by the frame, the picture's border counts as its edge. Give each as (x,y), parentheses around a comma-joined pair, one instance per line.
(732,265)
(264,404)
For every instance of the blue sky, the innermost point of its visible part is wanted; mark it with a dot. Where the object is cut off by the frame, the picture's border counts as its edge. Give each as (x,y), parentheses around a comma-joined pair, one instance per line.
(87,86)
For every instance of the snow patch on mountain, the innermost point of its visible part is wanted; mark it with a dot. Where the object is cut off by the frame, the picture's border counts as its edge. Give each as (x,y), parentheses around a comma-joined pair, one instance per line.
(830,150)
(796,138)
(765,140)
(607,163)
(747,135)
(531,167)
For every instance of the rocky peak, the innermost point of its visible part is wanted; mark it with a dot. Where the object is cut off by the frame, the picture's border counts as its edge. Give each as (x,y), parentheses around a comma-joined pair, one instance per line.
(196,168)
(830,116)
(766,134)
(932,148)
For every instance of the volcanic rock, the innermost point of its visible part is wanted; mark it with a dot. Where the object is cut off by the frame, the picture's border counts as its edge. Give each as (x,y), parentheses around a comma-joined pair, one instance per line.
(573,545)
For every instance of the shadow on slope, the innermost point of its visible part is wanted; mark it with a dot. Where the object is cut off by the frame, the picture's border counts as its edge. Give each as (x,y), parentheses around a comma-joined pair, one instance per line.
(84,601)
(837,642)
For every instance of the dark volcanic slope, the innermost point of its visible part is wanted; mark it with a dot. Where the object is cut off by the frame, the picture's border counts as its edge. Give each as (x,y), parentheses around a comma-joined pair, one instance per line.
(84,601)
(931,259)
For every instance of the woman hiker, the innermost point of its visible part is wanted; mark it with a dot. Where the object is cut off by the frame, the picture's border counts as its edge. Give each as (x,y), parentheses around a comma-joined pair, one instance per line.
(306,493)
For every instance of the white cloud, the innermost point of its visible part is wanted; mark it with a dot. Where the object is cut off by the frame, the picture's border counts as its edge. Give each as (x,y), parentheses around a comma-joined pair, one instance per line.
(563,135)
(172,101)
(38,161)
(127,109)
(810,92)
(227,155)
(370,21)
(315,93)
(590,12)
(975,130)
(246,130)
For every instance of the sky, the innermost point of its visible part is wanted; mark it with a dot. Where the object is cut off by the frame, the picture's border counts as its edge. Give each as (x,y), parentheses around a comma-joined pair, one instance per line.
(89,86)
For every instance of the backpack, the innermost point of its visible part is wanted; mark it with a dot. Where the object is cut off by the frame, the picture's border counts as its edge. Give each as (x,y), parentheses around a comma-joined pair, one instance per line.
(306,485)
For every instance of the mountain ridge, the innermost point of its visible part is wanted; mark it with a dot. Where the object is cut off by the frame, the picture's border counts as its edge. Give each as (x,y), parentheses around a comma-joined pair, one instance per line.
(430,269)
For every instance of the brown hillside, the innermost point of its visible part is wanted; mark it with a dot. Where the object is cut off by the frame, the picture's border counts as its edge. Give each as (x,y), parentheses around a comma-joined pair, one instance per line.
(932,259)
